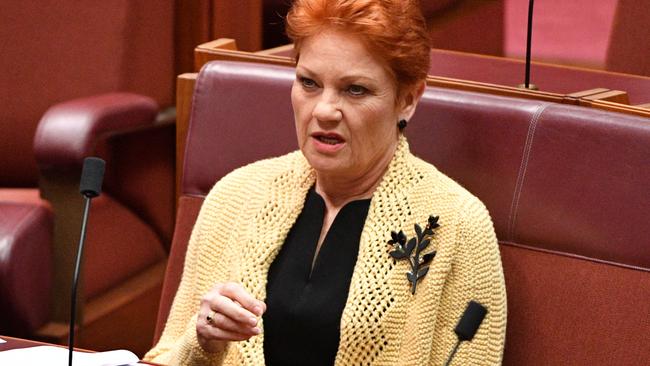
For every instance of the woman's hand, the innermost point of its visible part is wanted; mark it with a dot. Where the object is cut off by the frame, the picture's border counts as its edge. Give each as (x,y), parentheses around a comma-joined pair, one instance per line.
(228,313)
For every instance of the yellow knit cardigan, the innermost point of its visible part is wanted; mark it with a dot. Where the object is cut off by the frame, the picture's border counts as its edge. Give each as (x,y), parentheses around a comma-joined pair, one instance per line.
(247,216)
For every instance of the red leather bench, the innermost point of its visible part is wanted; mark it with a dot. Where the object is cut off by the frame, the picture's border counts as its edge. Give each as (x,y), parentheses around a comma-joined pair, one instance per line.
(567,188)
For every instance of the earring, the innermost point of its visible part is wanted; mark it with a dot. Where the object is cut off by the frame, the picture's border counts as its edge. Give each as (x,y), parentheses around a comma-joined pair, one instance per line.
(402,124)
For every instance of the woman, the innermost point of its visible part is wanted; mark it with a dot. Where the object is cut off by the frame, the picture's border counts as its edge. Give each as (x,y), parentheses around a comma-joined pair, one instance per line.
(288,261)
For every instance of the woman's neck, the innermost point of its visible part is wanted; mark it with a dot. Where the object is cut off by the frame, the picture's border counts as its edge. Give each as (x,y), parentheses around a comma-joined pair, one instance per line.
(338,190)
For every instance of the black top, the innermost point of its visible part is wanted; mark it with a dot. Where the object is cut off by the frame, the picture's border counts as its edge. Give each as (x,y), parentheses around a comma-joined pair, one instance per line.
(304,307)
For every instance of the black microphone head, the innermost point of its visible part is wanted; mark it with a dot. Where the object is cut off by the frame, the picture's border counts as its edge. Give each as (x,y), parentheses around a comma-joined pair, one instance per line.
(470,321)
(92,176)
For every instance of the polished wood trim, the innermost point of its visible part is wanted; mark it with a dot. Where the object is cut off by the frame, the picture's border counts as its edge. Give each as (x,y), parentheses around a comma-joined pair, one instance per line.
(184,91)
(508,91)
(60,190)
(207,52)
(221,44)
(616,96)
(616,107)
(584,93)
(276,50)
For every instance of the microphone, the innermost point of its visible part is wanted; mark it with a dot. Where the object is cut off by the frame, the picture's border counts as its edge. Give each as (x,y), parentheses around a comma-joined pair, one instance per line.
(92,176)
(90,187)
(468,325)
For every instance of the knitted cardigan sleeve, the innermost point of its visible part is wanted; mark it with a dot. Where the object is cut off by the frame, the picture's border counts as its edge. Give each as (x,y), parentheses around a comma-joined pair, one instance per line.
(476,274)
(178,344)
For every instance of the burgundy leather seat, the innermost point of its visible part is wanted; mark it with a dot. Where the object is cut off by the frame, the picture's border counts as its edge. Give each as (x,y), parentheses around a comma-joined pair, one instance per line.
(129,229)
(566,187)
(130,224)
(25,261)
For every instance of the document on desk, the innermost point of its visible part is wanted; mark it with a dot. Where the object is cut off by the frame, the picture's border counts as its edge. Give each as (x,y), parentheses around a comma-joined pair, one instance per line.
(2,341)
(49,355)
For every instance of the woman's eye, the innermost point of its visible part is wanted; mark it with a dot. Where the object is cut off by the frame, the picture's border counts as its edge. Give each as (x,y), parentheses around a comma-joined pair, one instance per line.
(357,90)
(308,83)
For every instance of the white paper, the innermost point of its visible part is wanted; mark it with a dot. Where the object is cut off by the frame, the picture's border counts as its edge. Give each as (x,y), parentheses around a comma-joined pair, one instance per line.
(49,355)
(2,341)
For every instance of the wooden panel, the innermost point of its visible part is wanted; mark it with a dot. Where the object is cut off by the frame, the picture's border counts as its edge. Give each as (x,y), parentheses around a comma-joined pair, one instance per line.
(287,48)
(123,317)
(584,93)
(616,107)
(616,96)
(184,90)
(60,190)
(241,20)
(199,21)
(221,49)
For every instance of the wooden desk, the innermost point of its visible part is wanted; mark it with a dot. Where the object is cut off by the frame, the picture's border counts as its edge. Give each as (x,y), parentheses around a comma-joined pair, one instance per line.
(16,343)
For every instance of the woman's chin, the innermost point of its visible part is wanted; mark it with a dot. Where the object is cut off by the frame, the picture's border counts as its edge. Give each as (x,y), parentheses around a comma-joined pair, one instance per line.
(326,163)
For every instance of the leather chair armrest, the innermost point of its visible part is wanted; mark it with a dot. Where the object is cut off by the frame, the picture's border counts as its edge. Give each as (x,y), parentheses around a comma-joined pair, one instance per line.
(69,131)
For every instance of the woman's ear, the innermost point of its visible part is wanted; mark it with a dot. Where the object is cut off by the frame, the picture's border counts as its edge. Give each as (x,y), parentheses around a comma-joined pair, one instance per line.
(410,101)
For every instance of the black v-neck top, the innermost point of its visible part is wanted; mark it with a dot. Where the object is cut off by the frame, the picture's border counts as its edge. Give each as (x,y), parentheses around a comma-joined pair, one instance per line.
(304,306)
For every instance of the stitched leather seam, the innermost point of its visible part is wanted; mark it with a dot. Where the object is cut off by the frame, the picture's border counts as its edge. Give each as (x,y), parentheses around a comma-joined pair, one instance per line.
(574,256)
(521,176)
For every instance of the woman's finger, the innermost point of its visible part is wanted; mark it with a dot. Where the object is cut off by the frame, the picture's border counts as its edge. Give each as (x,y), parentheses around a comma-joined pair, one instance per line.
(222,322)
(238,293)
(226,307)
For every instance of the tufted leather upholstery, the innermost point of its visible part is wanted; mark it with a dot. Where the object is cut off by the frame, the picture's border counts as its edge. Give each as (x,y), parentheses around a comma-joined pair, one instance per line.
(566,187)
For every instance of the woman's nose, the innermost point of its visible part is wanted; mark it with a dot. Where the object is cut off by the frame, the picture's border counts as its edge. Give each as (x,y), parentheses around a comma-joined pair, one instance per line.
(327,108)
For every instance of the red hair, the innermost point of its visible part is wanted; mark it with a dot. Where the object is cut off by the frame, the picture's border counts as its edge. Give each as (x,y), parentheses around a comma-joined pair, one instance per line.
(394,30)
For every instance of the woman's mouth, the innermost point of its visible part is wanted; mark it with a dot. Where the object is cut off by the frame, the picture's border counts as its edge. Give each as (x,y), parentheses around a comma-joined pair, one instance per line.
(328,142)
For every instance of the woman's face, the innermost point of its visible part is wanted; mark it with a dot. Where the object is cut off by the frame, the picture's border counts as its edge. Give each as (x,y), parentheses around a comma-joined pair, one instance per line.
(344,107)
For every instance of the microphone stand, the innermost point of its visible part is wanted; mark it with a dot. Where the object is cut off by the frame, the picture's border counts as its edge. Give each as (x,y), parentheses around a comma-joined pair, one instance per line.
(453,353)
(73,307)
(90,186)
(529,36)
